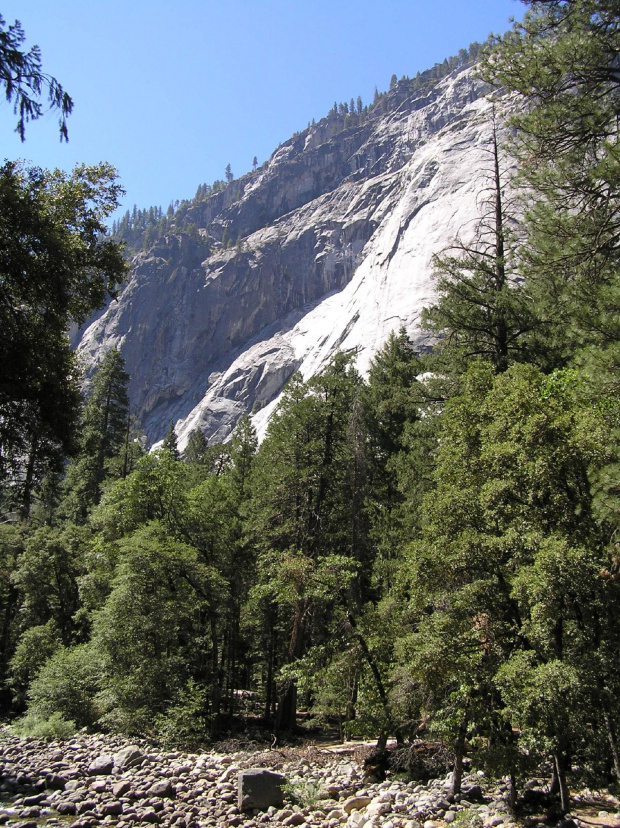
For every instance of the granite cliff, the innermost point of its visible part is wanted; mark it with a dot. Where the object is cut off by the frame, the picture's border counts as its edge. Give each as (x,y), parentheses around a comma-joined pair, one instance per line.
(327,246)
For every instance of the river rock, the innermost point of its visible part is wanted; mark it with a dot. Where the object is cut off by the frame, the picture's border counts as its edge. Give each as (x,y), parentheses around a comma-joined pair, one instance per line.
(121,788)
(355,803)
(65,808)
(111,809)
(377,808)
(162,788)
(101,766)
(295,819)
(128,757)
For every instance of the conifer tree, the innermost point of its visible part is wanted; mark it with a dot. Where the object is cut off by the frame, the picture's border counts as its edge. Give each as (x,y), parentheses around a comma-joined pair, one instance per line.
(302,518)
(25,84)
(169,443)
(196,448)
(482,310)
(104,434)
(562,60)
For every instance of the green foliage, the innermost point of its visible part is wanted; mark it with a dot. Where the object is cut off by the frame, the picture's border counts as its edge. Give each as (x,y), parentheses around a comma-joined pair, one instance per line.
(36,645)
(11,547)
(67,686)
(185,724)
(303,793)
(152,632)
(170,443)
(58,266)
(561,60)
(431,551)
(25,84)
(483,310)
(52,729)
(197,447)
(46,577)
(104,437)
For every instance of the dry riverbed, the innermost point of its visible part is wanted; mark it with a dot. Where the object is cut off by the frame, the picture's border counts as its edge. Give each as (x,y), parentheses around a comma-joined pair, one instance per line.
(104,780)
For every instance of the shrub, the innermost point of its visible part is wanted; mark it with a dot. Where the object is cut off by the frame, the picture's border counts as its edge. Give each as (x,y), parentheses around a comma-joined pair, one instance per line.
(51,729)
(67,685)
(34,648)
(185,723)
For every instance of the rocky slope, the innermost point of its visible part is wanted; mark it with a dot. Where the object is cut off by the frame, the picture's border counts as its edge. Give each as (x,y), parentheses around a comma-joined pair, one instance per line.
(332,249)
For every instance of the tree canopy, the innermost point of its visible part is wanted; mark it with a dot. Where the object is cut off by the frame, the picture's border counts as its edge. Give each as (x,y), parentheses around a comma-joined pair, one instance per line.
(56,266)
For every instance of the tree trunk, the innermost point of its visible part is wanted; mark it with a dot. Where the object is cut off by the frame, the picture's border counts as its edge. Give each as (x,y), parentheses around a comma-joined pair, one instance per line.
(501,331)
(561,764)
(215,672)
(512,790)
(459,752)
(613,741)
(29,480)
(286,717)
(379,683)
(269,694)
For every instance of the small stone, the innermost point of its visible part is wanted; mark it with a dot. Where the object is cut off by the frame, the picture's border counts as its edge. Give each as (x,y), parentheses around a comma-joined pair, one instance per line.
(34,800)
(31,813)
(377,808)
(295,819)
(357,820)
(355,803)
(55,782)
(65,808)
(111,809)
(150,816)
(121,788)
(163,788)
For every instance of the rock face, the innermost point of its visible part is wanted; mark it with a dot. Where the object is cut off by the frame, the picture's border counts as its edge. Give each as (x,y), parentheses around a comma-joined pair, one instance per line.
(334,239)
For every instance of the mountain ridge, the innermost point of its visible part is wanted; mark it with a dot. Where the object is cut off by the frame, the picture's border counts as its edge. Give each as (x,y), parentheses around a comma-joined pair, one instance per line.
(214,319)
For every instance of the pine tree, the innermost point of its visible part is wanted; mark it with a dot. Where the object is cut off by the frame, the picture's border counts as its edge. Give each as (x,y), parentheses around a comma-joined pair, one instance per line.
(169,443)
(104,432)
(25,83)
(561,60)
(302,515)
(482,310)
(497,641)
(196,448)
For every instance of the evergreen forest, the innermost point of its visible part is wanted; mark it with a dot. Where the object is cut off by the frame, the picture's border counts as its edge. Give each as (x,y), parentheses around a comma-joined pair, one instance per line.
(430,552)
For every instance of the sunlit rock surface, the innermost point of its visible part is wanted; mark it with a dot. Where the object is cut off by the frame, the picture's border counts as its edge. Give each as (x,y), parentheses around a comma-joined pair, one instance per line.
(334,240)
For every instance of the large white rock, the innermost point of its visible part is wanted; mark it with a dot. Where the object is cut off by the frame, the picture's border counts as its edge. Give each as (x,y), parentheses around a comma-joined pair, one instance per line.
(344,258)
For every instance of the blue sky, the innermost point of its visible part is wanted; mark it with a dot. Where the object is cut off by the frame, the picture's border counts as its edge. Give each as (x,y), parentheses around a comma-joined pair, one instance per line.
(171,94)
